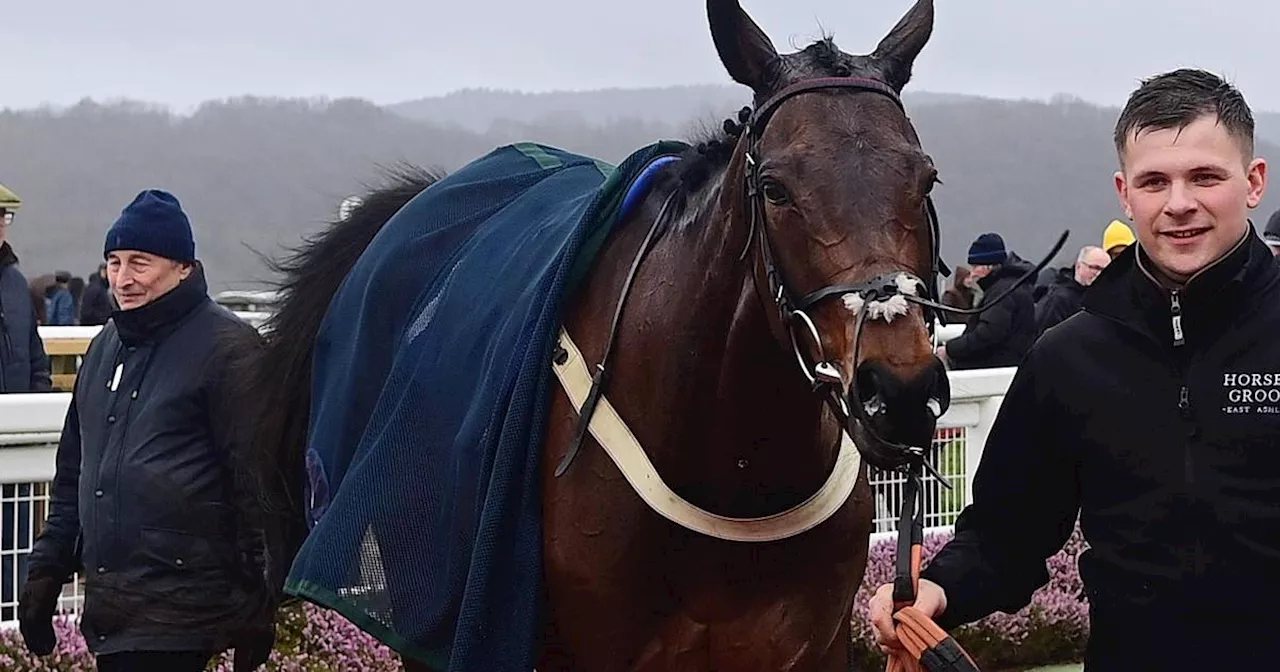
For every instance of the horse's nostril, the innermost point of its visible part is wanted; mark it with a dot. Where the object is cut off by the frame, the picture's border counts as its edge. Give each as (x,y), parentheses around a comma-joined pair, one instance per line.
(868,382)
(883,394)
(871,392)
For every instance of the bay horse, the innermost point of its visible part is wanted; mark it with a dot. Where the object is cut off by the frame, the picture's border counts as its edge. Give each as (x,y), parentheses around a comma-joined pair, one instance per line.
(778,282)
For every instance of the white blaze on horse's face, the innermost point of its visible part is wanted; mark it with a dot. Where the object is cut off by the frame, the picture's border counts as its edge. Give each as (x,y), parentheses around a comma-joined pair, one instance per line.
(887,308)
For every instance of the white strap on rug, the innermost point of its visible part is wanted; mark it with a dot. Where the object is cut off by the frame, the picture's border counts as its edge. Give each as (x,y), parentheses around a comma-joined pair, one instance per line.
(617,440)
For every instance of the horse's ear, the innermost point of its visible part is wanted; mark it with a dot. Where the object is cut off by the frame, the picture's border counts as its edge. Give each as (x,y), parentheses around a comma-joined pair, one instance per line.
(747,53)
(898,50)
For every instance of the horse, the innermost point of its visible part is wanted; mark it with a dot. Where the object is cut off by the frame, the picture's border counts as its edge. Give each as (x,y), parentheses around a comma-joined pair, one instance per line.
(779,282)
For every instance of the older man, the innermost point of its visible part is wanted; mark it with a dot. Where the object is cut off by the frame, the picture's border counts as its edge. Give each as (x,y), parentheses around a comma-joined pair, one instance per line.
(144,500)
(1066,294)
(24,365)
(1001,335)
(1151,415)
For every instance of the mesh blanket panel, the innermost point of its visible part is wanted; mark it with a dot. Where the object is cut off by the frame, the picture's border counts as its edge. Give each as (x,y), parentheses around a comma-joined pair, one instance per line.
(431,383)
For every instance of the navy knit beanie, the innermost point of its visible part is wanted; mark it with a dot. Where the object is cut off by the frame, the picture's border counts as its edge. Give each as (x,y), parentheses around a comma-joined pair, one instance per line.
(987,250)
(154,222)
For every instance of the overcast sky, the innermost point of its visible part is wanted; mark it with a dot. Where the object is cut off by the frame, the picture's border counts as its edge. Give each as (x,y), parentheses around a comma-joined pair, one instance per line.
(181,53)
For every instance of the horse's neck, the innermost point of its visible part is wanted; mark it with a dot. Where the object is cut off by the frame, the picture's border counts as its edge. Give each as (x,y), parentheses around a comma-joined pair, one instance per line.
(740,432)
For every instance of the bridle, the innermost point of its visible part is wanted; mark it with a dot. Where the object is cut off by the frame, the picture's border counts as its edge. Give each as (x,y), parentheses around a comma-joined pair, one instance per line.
(824,375)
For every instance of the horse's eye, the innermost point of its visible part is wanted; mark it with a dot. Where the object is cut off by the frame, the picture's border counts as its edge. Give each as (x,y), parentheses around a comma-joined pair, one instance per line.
(775,193)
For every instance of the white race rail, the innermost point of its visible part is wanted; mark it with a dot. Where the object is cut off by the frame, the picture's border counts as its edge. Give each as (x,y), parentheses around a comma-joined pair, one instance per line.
(30,426)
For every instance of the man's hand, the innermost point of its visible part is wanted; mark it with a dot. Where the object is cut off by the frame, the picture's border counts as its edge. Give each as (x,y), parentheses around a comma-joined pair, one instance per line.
(36,606)
(941,353)
(931,600)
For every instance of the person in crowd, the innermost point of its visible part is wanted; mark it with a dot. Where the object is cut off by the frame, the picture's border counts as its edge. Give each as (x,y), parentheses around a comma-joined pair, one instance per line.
(76,287)
(1066,294)
(1117,238)
(145,498)
(95,306)
(1001,335)
(959,294)
(62,306)
(1271,235)
(1152,416)
(24,365)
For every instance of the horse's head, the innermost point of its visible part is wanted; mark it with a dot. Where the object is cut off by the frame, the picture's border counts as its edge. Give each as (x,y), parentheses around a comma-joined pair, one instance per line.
(830,178)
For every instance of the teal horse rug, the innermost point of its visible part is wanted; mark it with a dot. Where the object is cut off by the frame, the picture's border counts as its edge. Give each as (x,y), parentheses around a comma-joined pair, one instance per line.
(431,389)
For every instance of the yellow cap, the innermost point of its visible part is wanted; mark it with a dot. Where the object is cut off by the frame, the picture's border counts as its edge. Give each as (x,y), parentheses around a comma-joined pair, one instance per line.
(1117,233)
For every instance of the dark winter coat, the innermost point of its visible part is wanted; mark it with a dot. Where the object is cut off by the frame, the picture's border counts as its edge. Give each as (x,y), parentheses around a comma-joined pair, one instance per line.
(144,500)
(1064,298)
(1155,416)
(24,366)
(1001,335)
(95,306)
(62,308)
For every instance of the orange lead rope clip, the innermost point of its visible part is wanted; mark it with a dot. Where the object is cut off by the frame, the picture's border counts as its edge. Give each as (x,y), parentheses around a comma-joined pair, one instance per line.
(928,647)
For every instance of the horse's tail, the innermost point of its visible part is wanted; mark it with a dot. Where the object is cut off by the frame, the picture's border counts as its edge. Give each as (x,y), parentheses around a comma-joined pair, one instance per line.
(272,371)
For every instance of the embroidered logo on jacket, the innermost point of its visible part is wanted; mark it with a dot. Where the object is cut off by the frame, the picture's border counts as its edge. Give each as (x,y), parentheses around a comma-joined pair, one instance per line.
(1248,393)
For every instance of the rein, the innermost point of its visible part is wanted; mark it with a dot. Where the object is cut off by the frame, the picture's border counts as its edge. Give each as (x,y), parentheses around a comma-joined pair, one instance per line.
(928,647)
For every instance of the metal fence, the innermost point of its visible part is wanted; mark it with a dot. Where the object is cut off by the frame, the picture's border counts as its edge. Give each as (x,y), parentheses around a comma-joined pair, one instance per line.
(24,507)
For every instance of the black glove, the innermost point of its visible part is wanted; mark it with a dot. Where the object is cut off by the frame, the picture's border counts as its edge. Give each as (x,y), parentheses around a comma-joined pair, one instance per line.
(253,648)
(36,606)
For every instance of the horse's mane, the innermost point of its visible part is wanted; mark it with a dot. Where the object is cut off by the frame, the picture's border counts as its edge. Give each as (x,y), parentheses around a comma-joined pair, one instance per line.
(710,150)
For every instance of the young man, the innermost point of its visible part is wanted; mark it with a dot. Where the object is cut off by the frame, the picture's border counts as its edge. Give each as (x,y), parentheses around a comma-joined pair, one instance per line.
(144,500)
(1153,414)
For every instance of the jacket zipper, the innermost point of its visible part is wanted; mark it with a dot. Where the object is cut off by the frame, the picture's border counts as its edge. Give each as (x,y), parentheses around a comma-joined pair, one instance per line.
(1184,394)
(1175,309)
(1184,410)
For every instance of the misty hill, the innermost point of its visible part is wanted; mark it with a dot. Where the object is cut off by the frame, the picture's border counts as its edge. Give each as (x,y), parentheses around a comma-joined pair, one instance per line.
(261,174)
(479,108)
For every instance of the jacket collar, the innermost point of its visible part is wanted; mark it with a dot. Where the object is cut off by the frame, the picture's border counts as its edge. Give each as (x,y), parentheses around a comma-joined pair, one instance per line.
(159,318)
(1013,268)
(7,256)
(1131,291)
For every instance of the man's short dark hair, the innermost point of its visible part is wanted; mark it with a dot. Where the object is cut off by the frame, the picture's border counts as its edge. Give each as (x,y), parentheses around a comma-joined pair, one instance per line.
(1176,99)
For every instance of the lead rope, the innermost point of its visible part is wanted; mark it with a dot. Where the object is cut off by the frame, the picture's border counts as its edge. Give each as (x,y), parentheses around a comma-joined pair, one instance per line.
(927,647)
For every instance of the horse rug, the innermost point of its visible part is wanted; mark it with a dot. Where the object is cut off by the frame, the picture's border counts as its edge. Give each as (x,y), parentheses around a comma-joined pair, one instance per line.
(430,391)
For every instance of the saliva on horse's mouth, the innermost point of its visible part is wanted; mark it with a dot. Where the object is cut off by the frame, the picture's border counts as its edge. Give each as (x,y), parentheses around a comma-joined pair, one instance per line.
(876,406)
(880,452)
